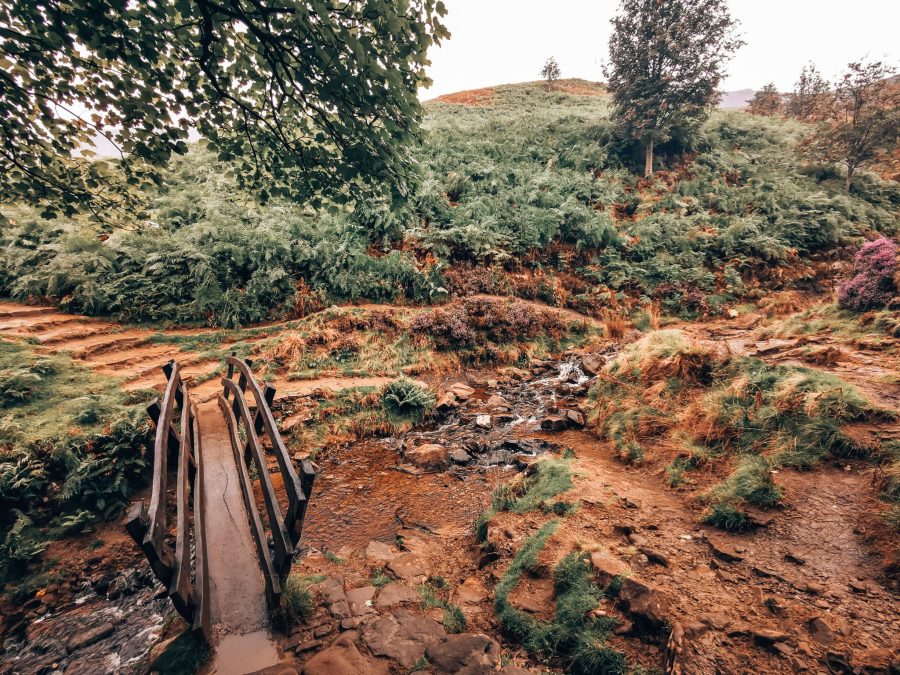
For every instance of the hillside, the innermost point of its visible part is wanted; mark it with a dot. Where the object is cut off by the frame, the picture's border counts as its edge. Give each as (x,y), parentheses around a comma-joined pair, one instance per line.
(565,419)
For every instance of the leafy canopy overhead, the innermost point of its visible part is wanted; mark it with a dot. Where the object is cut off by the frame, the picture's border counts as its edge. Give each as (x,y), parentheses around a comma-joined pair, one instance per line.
(666,60)
(306,98)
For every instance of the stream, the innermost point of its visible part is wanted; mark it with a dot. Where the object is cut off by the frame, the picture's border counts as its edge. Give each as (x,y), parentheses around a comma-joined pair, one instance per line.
(363,492)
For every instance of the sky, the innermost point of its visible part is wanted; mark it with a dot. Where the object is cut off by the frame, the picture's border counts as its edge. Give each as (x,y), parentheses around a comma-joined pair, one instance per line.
(504,41)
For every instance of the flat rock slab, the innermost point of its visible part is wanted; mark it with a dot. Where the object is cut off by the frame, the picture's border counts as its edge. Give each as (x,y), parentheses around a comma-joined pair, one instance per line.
(380,552)
(343,658)
(90,636)
(470,592)
(402,636)
(395,594)
(406,567)
(360,600)
(332,592)
(464,653)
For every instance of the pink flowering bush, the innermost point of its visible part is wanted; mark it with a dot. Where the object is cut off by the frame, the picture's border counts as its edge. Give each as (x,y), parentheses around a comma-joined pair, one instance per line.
(873,284)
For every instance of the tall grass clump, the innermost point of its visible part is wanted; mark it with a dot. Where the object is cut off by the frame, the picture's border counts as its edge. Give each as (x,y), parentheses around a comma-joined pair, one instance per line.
(550,478)
(751,483)
(573,635)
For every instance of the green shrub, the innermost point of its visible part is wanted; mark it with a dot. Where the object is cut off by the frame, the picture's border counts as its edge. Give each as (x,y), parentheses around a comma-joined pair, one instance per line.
(406,401)
(297,601)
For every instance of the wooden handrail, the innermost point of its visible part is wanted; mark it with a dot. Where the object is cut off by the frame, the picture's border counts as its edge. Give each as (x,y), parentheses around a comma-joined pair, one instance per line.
(180,590)
(202,623)
(285,529)
(271,579)
(148,527)
(284,548)
(292,484)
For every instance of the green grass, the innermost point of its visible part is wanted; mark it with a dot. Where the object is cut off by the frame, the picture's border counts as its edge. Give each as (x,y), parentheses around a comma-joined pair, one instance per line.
(572,634)
(550,478)
(297,601)
(433,596)
(49,396)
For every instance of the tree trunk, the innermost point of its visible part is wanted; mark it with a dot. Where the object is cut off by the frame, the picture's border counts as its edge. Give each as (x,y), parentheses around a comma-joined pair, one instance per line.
(648,160)
(849,180)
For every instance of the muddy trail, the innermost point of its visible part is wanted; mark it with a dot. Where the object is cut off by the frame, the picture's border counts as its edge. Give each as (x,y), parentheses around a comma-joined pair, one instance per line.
(803,592)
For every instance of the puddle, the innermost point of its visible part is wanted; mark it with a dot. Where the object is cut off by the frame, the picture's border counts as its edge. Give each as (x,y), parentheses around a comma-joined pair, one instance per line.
(247,653)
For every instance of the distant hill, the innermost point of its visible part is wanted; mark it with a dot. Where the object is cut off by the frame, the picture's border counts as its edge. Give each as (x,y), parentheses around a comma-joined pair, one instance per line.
(736,99)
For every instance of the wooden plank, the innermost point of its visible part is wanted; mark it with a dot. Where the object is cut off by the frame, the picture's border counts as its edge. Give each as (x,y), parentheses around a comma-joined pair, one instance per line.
(202,623)
(283,545)
(271,579)
(156,529)
(180,590)
(296,495)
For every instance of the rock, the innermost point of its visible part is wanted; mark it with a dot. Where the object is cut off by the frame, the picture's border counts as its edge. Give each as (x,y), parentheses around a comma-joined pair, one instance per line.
(360,600)
(794,557)
(470,592)
(402,636)
(654,556)
(464,653)
(447,402)
(460,456)
(554,423)
(723,549)
(380,552)
(396,593)
(406,567)
(591,364)
(323,630)
(483,421)
(675,649)
(89,636)
(343,658)
(159,649)
(575,418)
(332,592)
(277,669)
(301,647)
(875,661)
(644,602)
(820,630)
(431,456)
(607,567)
(350,623)
(462,391)
(497,401)
(765,635)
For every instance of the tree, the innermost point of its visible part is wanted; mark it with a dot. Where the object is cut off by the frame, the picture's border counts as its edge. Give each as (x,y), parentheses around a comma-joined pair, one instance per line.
(306,99)
(766,101)
(810,92)
(667,59)
(550,72)
(861,119)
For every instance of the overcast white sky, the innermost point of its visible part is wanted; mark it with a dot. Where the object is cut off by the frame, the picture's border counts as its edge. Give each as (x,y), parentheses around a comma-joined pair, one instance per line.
(503,41)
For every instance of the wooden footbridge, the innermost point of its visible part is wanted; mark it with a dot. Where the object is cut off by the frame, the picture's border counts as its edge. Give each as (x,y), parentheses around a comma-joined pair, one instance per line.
(222,538)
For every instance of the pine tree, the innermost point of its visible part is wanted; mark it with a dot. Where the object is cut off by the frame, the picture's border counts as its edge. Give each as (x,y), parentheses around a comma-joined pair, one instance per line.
(767,101)
(550,72)
(667,58)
